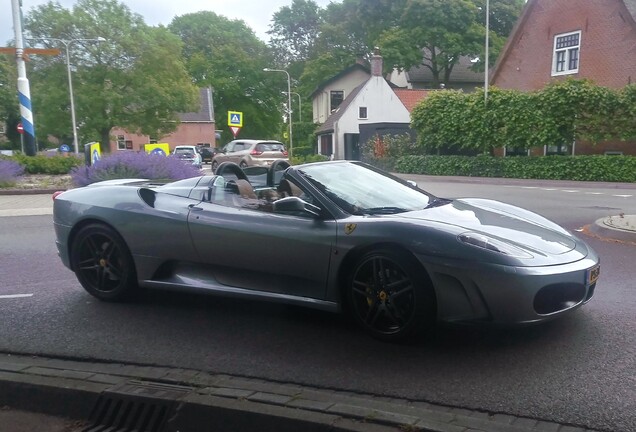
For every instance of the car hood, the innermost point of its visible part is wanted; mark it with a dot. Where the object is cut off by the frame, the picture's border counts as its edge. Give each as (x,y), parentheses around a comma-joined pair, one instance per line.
(503,221)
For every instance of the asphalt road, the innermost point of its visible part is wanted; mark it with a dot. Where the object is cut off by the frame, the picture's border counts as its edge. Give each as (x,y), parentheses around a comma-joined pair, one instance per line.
(578,370)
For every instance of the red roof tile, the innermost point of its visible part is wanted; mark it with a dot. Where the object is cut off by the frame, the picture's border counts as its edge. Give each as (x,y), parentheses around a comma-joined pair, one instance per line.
(410,97)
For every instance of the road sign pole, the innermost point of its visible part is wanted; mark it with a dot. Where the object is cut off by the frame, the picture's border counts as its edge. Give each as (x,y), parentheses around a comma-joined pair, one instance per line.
(24,93)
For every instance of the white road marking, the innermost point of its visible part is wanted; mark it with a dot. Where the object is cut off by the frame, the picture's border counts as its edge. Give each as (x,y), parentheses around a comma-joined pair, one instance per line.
(569,190)
(622,196)
(550,189)
(10,296)
(594,193)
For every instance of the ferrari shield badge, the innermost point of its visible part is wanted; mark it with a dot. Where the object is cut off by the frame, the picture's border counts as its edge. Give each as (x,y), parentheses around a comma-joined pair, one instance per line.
(349,228)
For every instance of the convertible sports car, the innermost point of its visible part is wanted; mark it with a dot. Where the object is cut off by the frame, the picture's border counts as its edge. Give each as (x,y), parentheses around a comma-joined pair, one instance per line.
(334,236)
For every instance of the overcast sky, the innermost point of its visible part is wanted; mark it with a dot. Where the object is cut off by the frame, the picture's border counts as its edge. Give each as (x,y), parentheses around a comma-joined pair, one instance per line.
(257,14)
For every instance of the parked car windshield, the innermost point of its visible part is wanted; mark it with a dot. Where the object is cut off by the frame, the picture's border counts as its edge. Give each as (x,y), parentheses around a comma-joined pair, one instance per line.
(184,151)
(360,189)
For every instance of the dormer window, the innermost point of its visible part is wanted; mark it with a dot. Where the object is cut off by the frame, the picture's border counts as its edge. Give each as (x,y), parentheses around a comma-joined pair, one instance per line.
(565,59)
(336,98)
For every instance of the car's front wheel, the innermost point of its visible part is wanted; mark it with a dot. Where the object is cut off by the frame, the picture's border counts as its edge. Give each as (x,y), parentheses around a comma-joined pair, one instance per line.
(103,264)
(243,164)
(215,164)
(390,296)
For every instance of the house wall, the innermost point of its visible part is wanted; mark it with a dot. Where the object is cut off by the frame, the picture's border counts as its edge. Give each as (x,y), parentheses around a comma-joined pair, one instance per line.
(607,52)
(346,83)
(383,106)
(186,134)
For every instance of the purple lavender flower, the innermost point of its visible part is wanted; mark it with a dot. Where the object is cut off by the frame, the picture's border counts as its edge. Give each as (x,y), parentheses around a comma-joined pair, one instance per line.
(129,164)
(10,171)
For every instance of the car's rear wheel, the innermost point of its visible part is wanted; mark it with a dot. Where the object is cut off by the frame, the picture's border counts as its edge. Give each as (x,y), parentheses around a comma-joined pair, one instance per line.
(243,164)
(215,164)
(103,264)
(390,296)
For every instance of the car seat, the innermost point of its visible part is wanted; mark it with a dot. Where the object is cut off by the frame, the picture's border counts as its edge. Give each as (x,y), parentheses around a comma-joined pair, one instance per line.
(287,188)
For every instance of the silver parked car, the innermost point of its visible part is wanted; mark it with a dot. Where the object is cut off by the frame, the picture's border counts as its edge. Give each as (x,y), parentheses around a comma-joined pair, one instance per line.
(249,152)
(334,236)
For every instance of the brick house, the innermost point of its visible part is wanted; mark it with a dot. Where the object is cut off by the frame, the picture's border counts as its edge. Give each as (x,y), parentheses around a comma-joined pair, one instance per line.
(194,128)
(583,39)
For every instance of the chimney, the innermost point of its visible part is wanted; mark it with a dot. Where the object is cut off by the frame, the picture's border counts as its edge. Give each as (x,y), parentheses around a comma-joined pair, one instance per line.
(376,63)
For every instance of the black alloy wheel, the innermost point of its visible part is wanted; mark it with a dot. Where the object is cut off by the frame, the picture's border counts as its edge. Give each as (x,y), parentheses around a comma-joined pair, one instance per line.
(215,164)
(103,264)
(243,164)
(390,297)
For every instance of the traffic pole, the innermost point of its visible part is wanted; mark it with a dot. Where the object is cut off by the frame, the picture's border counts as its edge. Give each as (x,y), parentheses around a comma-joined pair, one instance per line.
(24,94)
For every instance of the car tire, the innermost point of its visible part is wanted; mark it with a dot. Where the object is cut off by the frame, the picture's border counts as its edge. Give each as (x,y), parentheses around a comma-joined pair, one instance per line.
(214,165)
(243,164)
(390,295)
(103,264)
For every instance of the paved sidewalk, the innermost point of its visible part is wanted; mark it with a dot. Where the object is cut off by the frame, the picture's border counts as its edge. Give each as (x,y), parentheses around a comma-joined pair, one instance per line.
(198,401)
(26,205)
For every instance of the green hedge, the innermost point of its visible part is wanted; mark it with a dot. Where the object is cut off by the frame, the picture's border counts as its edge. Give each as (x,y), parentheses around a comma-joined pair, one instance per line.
(580,168)
(41,164)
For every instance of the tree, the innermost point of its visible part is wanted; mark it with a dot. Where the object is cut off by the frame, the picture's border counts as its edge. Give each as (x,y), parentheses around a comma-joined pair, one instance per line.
(294,31)
(228,56)
(135,79)
(439,31)
(9,107)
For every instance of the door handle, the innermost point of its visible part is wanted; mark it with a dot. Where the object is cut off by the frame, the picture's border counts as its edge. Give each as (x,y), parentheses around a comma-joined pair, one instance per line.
(194,207)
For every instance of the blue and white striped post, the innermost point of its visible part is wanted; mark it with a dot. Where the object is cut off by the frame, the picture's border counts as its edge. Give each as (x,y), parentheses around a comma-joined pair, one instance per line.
(24,93)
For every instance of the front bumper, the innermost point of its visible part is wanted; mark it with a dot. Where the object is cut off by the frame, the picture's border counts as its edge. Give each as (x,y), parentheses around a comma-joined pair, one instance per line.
(507,294)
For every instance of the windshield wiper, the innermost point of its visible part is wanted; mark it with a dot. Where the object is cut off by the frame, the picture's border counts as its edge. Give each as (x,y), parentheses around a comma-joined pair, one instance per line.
(382,210)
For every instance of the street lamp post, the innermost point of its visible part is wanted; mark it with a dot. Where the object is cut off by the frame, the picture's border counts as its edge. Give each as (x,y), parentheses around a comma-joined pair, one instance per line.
(67,45)
(291,141)
(300,107)
(487,48)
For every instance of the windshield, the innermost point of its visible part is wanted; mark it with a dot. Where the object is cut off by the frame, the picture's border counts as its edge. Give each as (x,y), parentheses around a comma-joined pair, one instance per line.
(359,189)
(184,152)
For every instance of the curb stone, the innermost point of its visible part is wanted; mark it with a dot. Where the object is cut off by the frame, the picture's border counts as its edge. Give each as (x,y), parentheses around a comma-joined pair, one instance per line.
(71,388)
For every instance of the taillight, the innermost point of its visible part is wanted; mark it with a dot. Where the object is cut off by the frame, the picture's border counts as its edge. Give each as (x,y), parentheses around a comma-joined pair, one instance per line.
(56,194)
(256,152)
(285,153)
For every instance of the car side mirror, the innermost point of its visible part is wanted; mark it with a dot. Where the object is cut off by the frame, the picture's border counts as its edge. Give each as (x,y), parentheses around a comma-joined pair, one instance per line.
(412,183)
(294,204)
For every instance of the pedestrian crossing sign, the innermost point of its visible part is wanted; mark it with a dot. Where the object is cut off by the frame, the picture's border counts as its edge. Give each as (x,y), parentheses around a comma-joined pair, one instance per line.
(235,118)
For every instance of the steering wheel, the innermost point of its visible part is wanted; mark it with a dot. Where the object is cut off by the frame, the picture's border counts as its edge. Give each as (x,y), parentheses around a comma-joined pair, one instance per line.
(277,165)
(226,168)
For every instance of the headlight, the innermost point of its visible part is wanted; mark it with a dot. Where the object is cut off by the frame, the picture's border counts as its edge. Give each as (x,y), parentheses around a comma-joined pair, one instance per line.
(492,244)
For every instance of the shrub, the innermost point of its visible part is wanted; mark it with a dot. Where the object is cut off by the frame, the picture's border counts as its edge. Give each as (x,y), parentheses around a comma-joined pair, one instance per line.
(10,171)
(580,168)
(134,165)
(308,159)
(302,151)
(384,152)
(49,164)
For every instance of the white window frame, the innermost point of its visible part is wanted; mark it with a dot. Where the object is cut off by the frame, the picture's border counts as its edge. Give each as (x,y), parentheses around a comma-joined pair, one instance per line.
(565,55)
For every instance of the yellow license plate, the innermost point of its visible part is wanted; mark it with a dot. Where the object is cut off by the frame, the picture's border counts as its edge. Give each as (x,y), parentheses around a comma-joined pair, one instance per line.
(593,274)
